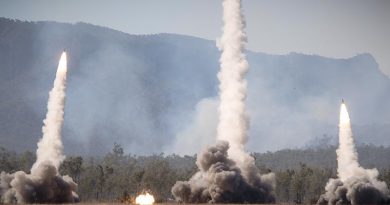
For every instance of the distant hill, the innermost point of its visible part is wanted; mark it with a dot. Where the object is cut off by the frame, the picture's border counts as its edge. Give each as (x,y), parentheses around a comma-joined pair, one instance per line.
(369,157)
(157,93)
(324,158)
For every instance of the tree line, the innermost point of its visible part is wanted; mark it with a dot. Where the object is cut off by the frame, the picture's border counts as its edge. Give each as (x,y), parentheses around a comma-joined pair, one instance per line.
(117,177)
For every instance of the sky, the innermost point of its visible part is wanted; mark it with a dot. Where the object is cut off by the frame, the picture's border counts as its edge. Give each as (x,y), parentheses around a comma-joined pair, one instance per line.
(331,28)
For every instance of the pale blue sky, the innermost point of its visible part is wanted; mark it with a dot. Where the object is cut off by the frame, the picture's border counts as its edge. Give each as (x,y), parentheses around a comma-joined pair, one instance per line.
(330,28)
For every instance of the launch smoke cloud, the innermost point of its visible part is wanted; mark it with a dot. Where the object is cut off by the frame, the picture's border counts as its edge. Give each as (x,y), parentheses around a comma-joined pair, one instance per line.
(227,173)
(354,185)
(44,184)
(221,181)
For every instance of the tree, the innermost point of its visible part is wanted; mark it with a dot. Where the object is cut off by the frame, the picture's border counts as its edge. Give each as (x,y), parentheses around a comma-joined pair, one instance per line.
(72,166)
(158,178)
(26,160)
(300,183)
(8,161)
(283,185)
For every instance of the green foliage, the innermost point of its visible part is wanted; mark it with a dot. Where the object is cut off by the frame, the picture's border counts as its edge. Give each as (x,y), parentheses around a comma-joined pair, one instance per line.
(11,161)
(26,160)
(72,166)
(385,175)
(302,185)
(117,177)
(323,157)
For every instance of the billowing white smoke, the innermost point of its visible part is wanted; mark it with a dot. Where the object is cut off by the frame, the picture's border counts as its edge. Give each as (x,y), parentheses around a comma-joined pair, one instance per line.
(347,157)
(233,121)
(230,174)
(50,146)
(44,184)
(197,135)
(355,185)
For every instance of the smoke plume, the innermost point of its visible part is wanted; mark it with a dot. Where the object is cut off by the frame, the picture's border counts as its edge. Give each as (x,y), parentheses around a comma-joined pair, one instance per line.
(221,181)
(227,173)
(354,185)
(44,184)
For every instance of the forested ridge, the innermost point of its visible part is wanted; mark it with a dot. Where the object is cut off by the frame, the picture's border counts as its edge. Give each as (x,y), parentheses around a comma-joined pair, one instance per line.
(157,93)
(301,175)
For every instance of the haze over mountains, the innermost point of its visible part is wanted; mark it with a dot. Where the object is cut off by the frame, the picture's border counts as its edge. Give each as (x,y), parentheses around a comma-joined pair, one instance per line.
(157,93)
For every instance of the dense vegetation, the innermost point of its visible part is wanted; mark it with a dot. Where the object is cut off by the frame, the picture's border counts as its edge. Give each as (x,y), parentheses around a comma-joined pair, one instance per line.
(120,177)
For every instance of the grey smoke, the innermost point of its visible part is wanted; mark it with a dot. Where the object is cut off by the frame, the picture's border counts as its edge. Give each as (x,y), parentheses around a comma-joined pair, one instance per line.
(354,191)
(44,184)
(354,185)
(165,76)
(196,135)
(219,180)
(227,173)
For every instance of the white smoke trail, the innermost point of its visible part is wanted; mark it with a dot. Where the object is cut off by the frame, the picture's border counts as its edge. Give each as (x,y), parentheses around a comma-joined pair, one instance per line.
(355,185)
(44,184)
(50,146)
(228,174)
(233,121)
(347,157)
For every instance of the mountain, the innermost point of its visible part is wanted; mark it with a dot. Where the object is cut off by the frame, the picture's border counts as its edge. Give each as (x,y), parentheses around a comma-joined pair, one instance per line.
(158,93)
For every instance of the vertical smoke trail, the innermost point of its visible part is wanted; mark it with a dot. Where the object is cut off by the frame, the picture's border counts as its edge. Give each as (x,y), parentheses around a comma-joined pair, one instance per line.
(227,174)
(50,146)
(232,118)
(354,185)
(44,184)
(347,157)
(233,122)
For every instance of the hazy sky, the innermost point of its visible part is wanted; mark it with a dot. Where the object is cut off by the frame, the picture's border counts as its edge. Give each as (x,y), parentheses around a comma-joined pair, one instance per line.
(330,28)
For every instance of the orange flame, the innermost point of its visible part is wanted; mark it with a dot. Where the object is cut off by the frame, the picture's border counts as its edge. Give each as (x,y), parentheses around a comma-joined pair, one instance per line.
(144,199)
